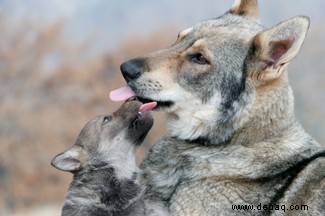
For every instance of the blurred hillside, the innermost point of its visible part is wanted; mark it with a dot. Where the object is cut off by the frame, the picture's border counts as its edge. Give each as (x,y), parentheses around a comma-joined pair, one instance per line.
(50,86)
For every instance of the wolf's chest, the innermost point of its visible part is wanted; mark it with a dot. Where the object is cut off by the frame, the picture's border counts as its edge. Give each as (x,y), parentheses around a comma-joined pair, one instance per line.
(180,174)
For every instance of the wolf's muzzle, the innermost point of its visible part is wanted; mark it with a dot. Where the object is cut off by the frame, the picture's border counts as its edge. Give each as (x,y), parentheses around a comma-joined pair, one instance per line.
(132,69)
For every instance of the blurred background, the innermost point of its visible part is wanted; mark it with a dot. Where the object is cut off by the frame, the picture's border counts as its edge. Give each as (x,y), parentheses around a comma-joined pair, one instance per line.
(60,58)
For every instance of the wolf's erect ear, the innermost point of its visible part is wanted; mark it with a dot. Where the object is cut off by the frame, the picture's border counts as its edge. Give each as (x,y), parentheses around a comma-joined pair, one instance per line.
(69,160)
(245,8)
(274,48)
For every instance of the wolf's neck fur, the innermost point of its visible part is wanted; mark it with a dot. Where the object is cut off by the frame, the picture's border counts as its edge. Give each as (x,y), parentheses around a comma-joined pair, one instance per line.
(272,112)
(264,111)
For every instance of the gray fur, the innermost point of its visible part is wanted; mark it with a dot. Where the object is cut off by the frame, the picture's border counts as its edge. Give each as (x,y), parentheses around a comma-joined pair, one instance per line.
(103,163)
(232,135)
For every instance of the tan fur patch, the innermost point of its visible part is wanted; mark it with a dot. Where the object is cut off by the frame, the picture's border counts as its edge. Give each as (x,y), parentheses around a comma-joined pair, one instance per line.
(182,34)
(198,47)
(245,8)
(265,92)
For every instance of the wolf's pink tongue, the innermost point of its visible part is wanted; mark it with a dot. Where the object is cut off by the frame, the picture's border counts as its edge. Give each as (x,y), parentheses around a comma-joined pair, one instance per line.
(147,106)
(121,94)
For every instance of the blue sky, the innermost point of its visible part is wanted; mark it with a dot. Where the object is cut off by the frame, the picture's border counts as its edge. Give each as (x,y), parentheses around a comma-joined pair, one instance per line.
(112,21)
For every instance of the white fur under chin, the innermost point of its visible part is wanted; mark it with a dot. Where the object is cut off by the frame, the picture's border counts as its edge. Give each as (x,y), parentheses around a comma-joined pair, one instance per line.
(193,119)
(186,127)
(121,155)
(189,118)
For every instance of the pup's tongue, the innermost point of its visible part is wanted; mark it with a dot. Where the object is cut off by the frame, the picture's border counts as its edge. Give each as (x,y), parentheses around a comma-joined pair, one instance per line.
(121,94)
(147,107)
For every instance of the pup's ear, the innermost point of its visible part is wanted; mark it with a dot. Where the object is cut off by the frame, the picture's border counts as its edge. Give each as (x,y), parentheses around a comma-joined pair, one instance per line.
(69,160)
(245,8)
(274,48)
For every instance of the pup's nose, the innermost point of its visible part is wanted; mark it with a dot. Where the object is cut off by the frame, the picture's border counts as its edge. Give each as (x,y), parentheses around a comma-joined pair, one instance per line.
(132,69)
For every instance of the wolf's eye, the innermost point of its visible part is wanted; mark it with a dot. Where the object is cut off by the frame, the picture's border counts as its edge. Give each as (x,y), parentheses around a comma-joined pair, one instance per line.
(199,59)
(107,119)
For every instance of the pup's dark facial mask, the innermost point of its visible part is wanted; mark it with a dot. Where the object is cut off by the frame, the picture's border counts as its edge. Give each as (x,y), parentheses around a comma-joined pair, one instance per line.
(135,119)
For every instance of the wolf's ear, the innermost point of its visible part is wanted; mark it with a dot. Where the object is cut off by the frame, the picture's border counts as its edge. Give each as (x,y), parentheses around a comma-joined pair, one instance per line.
(274,48)
(69,160)
(245,8)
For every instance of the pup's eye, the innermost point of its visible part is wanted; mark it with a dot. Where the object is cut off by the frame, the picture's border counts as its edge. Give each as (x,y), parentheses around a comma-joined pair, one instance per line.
(199,59)
(107,119)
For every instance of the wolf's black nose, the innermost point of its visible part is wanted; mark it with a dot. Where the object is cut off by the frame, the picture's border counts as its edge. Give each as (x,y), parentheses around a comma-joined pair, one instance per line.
(132,69)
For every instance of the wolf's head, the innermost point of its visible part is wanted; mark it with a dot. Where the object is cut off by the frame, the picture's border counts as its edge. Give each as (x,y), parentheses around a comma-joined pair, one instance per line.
(109,140)
(221,75)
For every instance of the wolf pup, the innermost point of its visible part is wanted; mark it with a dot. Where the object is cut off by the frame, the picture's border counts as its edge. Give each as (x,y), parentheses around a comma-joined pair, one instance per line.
(103,163)
(233,145)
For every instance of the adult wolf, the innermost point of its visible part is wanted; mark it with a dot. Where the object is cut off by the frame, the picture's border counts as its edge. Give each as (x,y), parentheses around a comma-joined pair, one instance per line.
(232,135)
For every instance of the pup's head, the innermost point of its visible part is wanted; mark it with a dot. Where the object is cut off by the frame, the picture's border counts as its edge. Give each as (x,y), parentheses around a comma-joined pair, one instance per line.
(108,138)
(211,77)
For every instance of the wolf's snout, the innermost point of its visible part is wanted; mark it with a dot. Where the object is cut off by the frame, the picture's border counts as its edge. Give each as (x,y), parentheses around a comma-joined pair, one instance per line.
(132,69)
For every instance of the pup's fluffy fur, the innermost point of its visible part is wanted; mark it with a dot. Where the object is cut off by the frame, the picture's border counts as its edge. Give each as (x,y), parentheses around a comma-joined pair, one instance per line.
(103,163)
